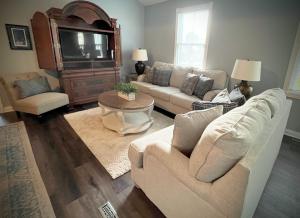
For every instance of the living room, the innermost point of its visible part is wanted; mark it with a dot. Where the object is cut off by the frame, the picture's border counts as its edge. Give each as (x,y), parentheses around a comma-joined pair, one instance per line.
(128,108)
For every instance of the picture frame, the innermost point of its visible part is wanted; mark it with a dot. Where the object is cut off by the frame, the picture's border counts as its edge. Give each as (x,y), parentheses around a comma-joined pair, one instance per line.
(19,37)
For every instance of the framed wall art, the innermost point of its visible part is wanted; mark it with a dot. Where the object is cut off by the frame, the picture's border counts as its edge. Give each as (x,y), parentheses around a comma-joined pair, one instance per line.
(19,37)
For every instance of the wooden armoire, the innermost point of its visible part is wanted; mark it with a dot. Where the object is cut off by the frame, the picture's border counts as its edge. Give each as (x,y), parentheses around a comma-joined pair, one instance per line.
(82,43)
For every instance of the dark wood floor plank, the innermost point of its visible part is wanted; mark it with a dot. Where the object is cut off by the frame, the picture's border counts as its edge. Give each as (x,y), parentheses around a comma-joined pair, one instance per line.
(78,184)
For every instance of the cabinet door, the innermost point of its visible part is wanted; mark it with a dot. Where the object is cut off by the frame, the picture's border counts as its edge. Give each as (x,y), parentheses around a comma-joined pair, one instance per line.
(43,41)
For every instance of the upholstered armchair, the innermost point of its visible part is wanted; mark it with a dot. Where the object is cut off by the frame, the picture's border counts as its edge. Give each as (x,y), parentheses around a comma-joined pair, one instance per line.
(36,104)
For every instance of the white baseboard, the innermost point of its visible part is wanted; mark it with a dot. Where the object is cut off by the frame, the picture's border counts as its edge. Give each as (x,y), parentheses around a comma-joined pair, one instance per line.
(8,109)
(292,133)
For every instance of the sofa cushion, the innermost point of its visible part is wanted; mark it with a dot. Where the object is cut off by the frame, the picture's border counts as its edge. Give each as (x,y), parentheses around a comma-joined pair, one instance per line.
(189,83)
(183,100)
(275,98)
(32,87)
(219,77)
(178,76)
(41,103)
(161,77)
(144,86)
(138,146)
(227,139)
(163,92)
(189,127)
(163,65)
(222,97)
(203,85)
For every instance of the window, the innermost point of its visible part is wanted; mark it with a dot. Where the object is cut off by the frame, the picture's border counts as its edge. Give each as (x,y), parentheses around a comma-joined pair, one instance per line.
(191,42)
(292,81)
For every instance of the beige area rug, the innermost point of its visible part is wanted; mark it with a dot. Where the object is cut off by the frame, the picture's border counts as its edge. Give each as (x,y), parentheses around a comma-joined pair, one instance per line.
(22,191)
(109,147)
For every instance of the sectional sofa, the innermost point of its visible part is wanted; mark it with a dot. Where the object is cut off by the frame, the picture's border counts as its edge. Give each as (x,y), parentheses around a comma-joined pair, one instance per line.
(171,98)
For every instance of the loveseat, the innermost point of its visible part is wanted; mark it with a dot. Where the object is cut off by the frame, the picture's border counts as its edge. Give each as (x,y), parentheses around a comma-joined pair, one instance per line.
(171,98)
(166,175)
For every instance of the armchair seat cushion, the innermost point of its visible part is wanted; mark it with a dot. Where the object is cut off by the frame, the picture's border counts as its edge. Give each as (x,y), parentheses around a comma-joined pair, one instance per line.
(138,146)
(41,103)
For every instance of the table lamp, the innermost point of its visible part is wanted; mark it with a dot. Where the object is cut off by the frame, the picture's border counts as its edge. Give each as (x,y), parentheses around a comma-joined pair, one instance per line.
(140,55)
(246,70)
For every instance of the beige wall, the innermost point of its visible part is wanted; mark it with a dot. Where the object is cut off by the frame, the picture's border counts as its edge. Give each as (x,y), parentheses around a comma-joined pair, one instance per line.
(130,15)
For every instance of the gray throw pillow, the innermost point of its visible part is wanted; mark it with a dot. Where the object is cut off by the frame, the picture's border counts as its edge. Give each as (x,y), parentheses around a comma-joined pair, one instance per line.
(189,83)
(148,74)
(32,87)
(203,86)
(161,77)
(189,127)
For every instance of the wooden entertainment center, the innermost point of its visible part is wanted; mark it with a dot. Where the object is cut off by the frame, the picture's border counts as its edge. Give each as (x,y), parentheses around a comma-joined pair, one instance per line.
(83,44)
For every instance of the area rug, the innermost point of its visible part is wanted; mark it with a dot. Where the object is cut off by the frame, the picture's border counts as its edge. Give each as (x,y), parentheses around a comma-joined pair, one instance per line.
(110,148)
(22,191)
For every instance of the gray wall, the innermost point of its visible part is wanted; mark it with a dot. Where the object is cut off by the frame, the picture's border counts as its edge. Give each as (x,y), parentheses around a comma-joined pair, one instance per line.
(130,15)
(257,29)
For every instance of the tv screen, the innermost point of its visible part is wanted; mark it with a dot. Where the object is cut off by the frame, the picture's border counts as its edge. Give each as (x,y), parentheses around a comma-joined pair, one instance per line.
(81,45)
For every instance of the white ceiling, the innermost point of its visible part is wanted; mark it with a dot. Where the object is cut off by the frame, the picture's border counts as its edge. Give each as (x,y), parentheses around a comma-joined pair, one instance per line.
(151,2)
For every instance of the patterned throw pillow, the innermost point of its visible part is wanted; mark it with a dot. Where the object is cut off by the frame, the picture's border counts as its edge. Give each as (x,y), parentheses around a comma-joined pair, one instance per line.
(148,74)
(203,86)
(32,87)
(161,77)
(222,97)
(189,83)
(200,105)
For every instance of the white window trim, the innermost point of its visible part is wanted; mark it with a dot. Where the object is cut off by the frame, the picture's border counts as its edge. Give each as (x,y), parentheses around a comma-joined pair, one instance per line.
(208,6)
(296,49)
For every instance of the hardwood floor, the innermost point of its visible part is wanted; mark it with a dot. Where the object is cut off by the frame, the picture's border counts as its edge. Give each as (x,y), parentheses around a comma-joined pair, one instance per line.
(77,183)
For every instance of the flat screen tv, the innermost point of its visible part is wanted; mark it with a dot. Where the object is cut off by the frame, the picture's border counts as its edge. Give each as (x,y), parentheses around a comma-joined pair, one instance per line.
(82,45)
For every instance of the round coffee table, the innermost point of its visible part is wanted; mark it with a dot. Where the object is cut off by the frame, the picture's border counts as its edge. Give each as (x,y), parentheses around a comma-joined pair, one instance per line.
(125,116)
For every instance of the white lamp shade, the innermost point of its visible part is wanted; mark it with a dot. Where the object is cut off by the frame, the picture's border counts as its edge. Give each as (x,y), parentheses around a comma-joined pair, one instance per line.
(246,70)
(140,55)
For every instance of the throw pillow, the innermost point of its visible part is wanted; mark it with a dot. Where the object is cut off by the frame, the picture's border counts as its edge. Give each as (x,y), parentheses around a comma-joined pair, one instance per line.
(32,87)
(202,105)
(148,74)
(189,83)
(188,128)
(222,97)
(161,77)
(236,96)
(203,86)
(227,139)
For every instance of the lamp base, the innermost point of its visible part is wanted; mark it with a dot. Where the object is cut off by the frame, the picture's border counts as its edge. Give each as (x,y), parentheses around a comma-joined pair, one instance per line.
(245,88)
(140,67)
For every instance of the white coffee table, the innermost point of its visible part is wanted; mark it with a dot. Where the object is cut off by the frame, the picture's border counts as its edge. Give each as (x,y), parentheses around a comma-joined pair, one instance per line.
(124,116)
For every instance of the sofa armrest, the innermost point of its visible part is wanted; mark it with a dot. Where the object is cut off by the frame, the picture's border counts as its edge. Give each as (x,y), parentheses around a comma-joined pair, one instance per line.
(211,94)
(177,164)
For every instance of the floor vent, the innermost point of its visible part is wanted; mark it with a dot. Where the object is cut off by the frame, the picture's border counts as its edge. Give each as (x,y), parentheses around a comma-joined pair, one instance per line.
(107,211)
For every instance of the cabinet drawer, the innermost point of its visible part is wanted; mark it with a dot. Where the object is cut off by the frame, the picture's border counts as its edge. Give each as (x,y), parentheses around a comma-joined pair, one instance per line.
(92,81)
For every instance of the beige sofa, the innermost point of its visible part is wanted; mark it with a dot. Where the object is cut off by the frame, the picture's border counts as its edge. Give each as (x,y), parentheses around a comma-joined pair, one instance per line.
(162,172)
(37,104)
(171,98)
